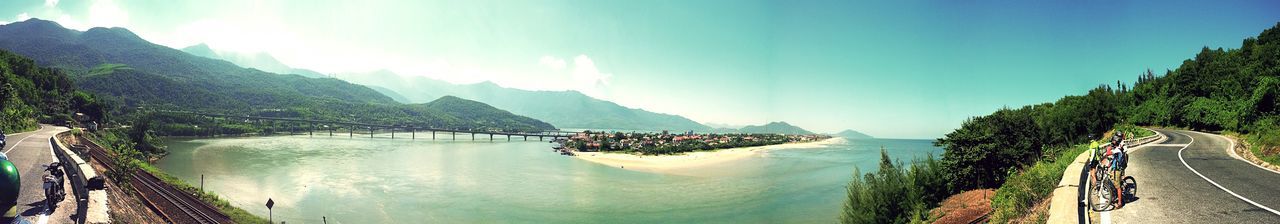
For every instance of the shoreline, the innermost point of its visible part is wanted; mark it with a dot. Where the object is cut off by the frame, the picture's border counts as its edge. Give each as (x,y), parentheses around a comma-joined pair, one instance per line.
(665,163)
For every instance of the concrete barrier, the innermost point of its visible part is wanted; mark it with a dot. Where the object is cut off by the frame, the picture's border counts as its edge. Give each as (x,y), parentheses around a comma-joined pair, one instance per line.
(1066,204)
(95,208)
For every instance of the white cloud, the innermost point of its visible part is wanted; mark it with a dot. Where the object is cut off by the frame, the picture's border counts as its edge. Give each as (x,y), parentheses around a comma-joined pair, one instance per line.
(552,62)
(105,13)
(101,13)
(583,75)
(586,74)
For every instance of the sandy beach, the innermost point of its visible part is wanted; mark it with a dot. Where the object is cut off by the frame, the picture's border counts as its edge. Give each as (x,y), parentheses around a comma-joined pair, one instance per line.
(663,163)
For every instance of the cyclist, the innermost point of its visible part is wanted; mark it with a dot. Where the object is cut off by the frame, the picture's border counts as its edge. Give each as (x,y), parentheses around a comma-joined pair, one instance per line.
(1119,148)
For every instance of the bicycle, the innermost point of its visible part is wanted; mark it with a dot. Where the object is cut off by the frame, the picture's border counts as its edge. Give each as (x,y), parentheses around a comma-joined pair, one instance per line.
(1106,191)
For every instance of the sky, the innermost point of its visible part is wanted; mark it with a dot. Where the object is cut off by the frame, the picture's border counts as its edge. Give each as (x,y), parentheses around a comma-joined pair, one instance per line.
(897,69)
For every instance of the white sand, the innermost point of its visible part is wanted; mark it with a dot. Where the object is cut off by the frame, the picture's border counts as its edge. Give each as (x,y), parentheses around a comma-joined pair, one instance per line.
(666,163)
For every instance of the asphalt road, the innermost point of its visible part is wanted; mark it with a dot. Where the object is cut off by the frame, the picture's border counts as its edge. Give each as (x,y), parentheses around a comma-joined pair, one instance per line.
(28,151)
(1191,177)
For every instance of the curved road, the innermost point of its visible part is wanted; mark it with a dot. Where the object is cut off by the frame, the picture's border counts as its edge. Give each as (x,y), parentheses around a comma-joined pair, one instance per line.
(28,151)
(1191,177)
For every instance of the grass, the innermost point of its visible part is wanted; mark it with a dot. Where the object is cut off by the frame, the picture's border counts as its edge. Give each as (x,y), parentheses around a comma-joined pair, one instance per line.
(1265,145)
(1135,131)
(1020,193)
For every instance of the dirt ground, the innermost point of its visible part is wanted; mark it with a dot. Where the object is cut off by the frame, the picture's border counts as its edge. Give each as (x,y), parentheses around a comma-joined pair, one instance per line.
(965,207)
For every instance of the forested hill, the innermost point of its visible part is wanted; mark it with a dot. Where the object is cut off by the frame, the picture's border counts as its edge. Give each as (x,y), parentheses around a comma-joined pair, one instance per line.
(1022,152)
(78,52)
(775,128)
(570,109)
(1217,90)
(29,93)
(482,113)
(136,73)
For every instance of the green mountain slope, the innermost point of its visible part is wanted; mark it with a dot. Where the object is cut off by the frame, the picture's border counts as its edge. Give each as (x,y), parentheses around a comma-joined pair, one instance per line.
(77,52)
(118,64)
(569,109)
(775,128)
(482,113)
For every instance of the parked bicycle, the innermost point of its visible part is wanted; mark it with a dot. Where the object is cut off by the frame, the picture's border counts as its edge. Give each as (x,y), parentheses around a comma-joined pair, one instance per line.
(1109,187)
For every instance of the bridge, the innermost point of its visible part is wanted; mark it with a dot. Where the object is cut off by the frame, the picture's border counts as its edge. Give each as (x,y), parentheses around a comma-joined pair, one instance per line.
(330,126)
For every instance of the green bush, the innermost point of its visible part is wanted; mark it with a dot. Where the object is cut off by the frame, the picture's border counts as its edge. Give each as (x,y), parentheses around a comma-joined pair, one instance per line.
(895,194)
(1024,189)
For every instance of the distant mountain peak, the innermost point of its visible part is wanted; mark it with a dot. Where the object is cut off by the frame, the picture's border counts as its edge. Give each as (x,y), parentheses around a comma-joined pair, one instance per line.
(201,50)
(41,27)
(776,127)
(851,134)
(37,22)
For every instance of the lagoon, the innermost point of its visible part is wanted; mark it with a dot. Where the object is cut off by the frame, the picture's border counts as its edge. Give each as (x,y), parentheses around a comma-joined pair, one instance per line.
(382,180)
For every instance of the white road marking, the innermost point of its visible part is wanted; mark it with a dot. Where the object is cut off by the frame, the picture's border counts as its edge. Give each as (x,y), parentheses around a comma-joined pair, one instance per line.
(1193,170)
(1173,145)
(43,219)
(15,145)
(51,153)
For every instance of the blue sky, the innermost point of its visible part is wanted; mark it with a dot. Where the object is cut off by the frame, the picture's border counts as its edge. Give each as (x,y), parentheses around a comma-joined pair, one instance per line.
(901,69)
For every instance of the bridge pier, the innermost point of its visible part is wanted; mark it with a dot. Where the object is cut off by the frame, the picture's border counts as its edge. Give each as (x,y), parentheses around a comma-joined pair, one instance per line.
(393,132)
(491,137)
(351,132)
(370,131)
(413,134)
(526,138)
(473,136)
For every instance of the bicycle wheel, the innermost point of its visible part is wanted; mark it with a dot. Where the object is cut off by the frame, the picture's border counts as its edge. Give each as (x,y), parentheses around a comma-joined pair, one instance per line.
(1101,195)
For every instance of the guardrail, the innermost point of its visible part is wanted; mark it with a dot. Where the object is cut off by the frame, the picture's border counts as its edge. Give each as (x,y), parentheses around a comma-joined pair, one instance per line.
(1142,140)
(76,176)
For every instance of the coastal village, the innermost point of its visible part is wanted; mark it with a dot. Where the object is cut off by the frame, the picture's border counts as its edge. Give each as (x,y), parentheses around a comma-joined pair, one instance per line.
(667,143)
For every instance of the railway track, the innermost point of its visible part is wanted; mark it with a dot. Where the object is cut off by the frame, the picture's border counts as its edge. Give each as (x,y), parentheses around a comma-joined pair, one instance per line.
(174,205)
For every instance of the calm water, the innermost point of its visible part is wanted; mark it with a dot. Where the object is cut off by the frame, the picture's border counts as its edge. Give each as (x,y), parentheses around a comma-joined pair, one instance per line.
(405,181)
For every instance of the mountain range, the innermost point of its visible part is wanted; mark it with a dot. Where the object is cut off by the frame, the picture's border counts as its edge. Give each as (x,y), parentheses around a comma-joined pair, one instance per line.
(117,64)
(569,109)
(260,61)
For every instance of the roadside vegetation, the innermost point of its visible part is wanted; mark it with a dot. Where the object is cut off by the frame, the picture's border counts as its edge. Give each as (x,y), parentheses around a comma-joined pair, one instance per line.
(1023,152)
(31,94)
(896,193)
(131,156)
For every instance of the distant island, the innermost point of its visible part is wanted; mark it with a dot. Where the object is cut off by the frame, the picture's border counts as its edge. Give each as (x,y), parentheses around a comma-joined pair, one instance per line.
(851,134)
(666,143)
